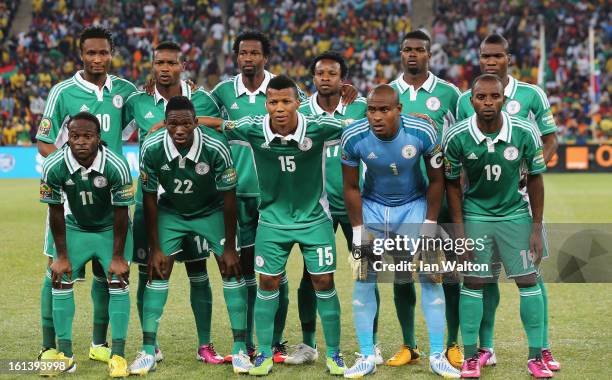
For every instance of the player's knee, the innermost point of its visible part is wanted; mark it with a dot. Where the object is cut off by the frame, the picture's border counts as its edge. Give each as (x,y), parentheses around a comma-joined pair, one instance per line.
(305,273)
(247,260)
(269,283)
(526,281)
(61,285)
(194,267)
(322,282)
(474,283)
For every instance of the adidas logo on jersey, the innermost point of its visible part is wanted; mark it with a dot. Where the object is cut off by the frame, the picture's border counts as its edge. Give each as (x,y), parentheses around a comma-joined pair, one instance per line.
(234,106)
(69,182)
(372,156)
(84,108)
(149,115)
(472,156)
(165,167)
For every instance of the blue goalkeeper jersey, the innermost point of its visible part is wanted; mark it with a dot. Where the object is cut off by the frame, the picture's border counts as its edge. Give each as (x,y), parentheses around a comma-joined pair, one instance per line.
(393,176)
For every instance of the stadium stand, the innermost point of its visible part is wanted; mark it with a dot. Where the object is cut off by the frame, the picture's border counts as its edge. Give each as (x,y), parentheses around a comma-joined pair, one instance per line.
(366,32)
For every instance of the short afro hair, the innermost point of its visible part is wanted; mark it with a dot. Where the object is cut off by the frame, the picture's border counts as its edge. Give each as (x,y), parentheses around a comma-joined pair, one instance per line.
(96,32)
(179,103)
(418,35)
(253,35)
(496,39)
(331,55)
(282,82)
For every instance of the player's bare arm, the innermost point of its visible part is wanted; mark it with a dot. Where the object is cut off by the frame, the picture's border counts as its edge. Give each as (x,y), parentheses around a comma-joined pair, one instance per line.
(45,149)
(551,144)
(119,267)
(535,188)
(230,262)
(61,265)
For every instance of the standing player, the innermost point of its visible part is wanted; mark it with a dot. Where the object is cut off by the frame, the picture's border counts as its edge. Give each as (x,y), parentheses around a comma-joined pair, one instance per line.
(147,111)
(420,91)
(328,70)
(394,195)
(289,147)
(492,147)
(97,185)
(193,166)
(527,101)
(90,90)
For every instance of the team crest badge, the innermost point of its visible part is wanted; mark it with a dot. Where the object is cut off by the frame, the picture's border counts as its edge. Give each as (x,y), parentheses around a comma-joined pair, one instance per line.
(511,153)
(144,178)
(305,145)
(45,191)
(513,107)
(433,103)
(44,127)
(118,101)
(259,261)
(202,168)
(100,182)
(409,151)
(229,125)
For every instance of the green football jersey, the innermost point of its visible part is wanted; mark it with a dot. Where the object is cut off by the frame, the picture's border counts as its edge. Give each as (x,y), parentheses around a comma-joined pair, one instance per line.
(91,192)
(436,98)
(333,166)
(192,183)
(521,99)
(493,165)
(235,102)
(76,95)
(290,169)
(144,111)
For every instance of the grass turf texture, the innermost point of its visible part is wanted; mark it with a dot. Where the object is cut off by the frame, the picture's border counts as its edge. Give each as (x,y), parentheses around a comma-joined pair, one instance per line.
(578,312)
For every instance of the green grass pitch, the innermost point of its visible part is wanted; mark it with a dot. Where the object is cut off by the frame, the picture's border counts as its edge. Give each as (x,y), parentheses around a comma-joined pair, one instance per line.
(578,313)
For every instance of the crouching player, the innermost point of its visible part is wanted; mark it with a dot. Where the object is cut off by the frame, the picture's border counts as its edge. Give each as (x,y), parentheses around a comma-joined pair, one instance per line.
(492,147)
(194,167)
(98,187)
(394,199)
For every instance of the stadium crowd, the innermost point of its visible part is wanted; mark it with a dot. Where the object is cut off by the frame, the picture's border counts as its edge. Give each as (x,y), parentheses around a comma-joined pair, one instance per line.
(367,33)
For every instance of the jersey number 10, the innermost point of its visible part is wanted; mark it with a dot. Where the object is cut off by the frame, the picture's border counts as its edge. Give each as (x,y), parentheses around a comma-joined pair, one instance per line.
(104,120)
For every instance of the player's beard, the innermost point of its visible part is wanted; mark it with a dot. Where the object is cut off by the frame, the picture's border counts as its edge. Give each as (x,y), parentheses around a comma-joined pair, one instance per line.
(414,70)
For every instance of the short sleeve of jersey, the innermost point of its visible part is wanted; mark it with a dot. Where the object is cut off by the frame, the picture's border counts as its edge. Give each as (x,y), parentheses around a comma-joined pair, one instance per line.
(120,179)
(236,129)
(452,158)
(53,116)
(534,154)
(543,114)
(332,127)
(225,173)
(350,154)
(149,172)
(462,107)
(205,104)
(51,189)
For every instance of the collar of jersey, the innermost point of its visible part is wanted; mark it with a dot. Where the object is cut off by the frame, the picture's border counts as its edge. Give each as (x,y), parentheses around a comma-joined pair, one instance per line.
(510,88)
(97,165)
(317,110)
(297,136)
(194,151)
(428,85)
(505,133)
(90,87)
(185,91)
(241,89)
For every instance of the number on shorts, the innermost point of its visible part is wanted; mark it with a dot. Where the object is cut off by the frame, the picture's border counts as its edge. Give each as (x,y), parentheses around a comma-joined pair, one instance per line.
(326,256)
(186,185)
(527,257)
(202,244)
(493,171)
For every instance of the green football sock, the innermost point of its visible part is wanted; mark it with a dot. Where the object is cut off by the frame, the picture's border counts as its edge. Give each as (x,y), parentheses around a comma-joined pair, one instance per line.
(119,315)
(251,285)
(487,326)
(470,315)
(404,295)
(100,299)
(143,277)
(451,295)
(266,306)
(235,294)
(154,300)
(375,326)
(545,342)
(532,316)
(201,304)
(46,313)
(307,309)
(63,315)
(329,311)
(283,308)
